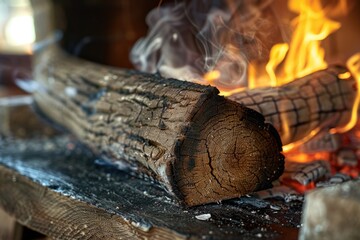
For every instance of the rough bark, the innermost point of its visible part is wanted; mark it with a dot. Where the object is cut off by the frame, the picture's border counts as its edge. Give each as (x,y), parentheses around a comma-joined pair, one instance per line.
(202,147)
(319,101)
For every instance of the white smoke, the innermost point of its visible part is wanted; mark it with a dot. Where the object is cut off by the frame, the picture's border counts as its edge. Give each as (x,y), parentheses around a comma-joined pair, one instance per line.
(188,39)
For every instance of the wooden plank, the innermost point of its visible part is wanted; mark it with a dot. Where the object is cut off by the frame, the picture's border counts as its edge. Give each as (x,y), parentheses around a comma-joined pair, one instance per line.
(56,186)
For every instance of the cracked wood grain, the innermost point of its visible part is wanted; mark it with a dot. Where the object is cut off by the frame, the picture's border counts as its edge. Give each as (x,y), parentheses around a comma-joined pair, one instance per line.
(319,101)
(202,147)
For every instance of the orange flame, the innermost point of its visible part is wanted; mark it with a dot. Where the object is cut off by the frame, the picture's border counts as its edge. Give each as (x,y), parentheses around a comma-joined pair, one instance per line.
(303,55)
(353,64)
(212,76)
(277,55)
(294,145)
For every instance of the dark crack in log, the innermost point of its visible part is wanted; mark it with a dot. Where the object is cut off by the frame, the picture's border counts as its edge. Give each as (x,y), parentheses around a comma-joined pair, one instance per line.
(202,147)
(319,101)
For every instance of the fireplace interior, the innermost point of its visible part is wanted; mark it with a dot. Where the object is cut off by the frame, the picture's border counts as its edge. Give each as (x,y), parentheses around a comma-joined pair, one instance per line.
(297,63)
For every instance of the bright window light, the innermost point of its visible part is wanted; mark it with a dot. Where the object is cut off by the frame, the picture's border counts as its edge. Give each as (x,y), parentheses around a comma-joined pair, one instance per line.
(20,30)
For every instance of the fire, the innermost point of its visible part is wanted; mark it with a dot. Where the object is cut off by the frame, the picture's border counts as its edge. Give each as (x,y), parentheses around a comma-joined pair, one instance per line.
(304,54)
(277,55)
(301,56)
(353,64)
(212,76)
(294,145)
(230,45)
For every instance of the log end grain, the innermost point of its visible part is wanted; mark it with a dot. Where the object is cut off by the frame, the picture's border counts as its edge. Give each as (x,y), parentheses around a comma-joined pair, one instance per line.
(227,151)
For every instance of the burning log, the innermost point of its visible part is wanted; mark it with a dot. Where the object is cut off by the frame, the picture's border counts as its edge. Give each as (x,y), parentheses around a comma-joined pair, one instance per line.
(319,101)
(323,142)
(202,147)
(305,173)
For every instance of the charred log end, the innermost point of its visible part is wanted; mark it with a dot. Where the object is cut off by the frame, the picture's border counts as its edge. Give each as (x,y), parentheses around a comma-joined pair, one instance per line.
(228,151)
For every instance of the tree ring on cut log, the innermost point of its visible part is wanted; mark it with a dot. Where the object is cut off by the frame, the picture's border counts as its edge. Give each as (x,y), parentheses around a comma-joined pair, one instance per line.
(229,151)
